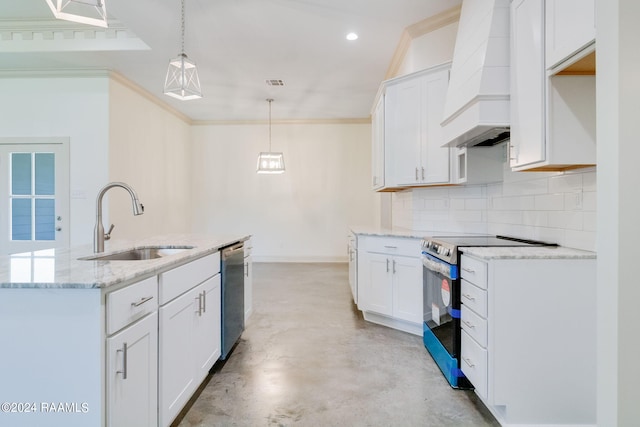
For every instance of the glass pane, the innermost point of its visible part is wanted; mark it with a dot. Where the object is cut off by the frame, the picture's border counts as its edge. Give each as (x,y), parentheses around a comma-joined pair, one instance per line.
(21,219)
(45,219)
(45,174)
(20,173)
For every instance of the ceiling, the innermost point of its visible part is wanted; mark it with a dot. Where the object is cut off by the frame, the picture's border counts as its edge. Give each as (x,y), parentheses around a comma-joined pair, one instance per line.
(236,44)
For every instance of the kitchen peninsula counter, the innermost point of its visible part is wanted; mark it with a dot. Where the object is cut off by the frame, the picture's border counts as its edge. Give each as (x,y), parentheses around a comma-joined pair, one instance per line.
(62,268)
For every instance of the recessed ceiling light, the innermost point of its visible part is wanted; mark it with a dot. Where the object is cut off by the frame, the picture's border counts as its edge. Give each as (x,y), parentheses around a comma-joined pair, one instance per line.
(352,36)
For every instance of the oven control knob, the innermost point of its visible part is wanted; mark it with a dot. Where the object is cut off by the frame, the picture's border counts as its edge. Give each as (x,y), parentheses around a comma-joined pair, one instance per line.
(447,252)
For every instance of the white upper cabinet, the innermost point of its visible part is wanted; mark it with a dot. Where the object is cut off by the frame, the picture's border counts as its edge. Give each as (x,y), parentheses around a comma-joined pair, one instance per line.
(552,114)
(527,83)
(413,151)
(570,27)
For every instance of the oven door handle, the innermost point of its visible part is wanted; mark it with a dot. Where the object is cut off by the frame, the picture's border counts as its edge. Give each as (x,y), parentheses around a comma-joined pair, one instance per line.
(439,267)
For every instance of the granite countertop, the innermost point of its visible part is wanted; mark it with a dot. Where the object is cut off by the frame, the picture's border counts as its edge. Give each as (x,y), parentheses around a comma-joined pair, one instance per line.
(61,268)
(389,232)
(529,252)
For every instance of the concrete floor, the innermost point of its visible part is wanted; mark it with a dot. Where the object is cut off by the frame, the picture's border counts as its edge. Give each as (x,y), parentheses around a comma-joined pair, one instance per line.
(307,358)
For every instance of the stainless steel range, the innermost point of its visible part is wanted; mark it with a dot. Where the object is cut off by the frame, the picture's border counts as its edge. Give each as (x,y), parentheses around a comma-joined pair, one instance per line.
(442,299)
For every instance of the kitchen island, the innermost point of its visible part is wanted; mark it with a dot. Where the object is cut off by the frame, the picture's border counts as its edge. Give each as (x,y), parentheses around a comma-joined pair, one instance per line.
(108,343)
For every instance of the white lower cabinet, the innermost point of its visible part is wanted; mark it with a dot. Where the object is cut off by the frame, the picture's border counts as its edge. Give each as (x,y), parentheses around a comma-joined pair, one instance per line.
(132,375)
(390,282)
(528,338)
(189,345)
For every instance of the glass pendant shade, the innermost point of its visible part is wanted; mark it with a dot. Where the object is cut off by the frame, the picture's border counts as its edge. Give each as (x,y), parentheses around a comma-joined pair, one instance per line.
(182,80)
(270,162)
(90,12)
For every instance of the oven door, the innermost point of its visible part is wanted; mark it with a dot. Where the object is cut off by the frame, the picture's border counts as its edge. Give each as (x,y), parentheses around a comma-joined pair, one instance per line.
(441,293)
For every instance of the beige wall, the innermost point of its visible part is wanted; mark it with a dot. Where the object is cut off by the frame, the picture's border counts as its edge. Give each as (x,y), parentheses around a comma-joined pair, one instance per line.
(149,149)
(301,215)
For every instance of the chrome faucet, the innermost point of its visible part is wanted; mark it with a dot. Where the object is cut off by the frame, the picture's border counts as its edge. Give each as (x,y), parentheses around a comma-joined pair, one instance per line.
(99,236)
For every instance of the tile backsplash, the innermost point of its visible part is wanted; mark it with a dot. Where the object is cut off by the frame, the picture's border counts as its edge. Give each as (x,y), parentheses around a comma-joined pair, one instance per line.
(558,207)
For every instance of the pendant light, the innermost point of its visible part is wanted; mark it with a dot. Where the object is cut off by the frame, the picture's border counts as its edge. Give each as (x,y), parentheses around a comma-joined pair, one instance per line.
(270,162)
(182,75)
(91,12)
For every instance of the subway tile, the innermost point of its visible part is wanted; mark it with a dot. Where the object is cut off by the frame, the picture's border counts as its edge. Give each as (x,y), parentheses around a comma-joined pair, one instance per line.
(514,203)
(589,201)
(466,216)
(522,188)
(457,204)
(436,204)
(505,217)
(476,204)
(549,202)
(568,220)
(535,218)
(432,193)
(565,183)
(585,240)
(590,221)
(467,191)
(589,181)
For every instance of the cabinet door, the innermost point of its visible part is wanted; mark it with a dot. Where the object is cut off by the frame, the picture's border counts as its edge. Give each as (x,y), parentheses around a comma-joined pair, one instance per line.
(403,131)
(377,144)
(176,362)
(377,286)
(132,375)
(527,83)
(570,26)
(207,344)
(434,159)
(407,289)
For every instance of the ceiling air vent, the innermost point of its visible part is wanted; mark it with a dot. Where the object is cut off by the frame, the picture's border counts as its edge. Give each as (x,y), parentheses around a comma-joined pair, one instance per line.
(274,82)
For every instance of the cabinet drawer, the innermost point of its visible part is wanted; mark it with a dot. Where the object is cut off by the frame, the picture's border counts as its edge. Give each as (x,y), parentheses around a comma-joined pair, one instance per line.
(474,364)
(474,271)
(474,298)
(129,304)
(179,280)
(474,325)
(393,246)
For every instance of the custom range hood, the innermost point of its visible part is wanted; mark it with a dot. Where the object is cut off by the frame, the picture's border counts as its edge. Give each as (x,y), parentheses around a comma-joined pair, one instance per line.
(477,105)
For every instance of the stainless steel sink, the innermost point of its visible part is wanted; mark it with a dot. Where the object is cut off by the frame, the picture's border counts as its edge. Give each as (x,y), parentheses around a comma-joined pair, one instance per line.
(139,254)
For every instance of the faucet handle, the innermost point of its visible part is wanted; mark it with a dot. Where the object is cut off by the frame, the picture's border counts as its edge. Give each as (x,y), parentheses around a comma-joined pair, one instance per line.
(107,235)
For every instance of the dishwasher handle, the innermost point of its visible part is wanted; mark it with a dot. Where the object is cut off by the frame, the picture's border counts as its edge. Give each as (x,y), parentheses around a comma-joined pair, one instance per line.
(229,251)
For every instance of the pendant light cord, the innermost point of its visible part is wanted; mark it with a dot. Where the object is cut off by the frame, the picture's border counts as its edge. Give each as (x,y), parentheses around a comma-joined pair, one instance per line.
(182,23)
(270,101)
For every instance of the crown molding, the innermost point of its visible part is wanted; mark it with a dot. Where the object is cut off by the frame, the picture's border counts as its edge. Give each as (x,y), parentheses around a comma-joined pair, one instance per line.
(61,36)
(416,30)
(352,121)
(117,77)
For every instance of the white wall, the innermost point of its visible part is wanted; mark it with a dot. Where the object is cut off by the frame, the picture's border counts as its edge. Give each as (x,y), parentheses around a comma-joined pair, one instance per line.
(74,107)
(149,149)
(301,215)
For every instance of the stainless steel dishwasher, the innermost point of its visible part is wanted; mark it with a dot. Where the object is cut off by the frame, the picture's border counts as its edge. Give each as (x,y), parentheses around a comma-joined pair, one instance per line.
(232,270)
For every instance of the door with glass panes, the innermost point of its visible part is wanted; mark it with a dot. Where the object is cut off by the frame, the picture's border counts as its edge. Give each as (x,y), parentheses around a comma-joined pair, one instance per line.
(34,194)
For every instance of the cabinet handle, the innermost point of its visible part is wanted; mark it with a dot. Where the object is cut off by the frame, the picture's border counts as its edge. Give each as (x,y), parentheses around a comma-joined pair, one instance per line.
(471,325)
(416,174)
(469,270)
(423,174)
(394,266)
(204,301)
(511,150)
(142,301)
(391,247)
(469,297)
(124,361)
(199,310)
(246,269)
(469,362)
(387,265)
